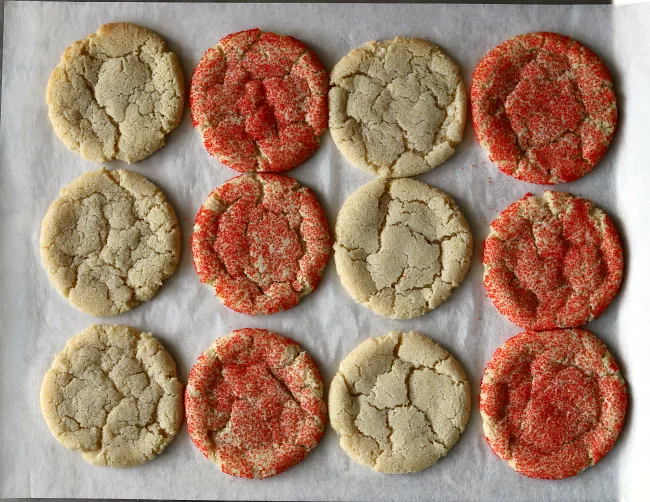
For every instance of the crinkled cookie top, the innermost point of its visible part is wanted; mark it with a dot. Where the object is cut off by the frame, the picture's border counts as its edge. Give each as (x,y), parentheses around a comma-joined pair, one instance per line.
(401,247)
(109,241)
(116,94)
(254,403)
(552,262)
(113,395)
(397,108)
(399,402)
(259,101)
(543,107)
(553,402)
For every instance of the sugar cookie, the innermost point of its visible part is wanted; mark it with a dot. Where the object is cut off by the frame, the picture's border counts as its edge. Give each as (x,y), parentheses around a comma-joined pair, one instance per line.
(543,107)
(397,108)
(401,247)
(113,395)
(116,94)
(552,402)
(399,402)
(254,403)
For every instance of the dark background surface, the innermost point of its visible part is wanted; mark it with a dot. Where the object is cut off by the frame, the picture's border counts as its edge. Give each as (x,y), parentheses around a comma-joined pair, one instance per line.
(521,2)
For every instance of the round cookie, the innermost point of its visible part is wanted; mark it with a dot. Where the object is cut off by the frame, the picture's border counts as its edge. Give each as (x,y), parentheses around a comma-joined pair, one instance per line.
(109,241)
(397,107)
(399,402)
(543,107)
(401,247)
(262,241)
(113,395)
(254,403)
(552,262)
(116,94)
(259,101)
(552,402)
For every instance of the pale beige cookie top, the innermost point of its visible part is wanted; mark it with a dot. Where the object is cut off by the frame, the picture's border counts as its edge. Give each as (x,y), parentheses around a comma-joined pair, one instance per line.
(401,247)
(399,402)
(116,94)
(113,395)
(109,241)
(397,108)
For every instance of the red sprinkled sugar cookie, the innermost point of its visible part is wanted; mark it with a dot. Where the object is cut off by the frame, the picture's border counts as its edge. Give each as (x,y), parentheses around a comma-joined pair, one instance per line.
(254,403)
(552,402)
(260,101)
(544,108)
(262,241)
(552,262)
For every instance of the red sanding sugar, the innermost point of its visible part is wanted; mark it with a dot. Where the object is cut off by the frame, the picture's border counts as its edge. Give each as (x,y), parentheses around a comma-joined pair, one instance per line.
(262,241)
(544,108)
(260,101)
(552,262)
(552,402)
(254,403)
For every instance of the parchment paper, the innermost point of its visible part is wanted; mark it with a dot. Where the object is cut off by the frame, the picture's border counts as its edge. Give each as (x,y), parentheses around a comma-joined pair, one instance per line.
(185,315)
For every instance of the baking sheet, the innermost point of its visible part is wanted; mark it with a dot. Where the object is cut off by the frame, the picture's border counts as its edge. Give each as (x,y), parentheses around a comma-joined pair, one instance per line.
(37,321)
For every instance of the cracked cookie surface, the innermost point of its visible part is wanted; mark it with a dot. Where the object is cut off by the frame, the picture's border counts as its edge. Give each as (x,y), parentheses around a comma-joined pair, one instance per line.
(401,247)
(262,241)
(116,94)
(399,402)
(397,107)
(259,101)
(552,262)
(254,403)
(109,241)
(544,108)
(552,402)
(113,395)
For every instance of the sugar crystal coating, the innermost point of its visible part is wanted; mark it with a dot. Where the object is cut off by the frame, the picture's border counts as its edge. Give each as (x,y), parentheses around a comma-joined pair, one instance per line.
(260,101)
(553,402)
(552,262)
(544,108)
(254,403)
(262,241)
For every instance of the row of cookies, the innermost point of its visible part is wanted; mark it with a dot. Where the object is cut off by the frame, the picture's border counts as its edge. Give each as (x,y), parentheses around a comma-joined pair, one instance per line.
(254,401)
(543,104)
(262,242)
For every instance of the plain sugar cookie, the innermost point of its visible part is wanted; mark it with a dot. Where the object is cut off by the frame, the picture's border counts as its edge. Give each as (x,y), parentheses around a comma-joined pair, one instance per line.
(397,108)
(543,107)
(113,395)
(401,247)
(399,402)
(262,241)
(259,101)
(552,402)
(552,262)
(116,94)
(254,403)
(109,241)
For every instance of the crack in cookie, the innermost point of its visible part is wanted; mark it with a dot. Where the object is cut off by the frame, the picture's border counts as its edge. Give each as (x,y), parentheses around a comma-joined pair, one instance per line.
(112,394)
(259,101)
(552,262)
(399,402)
(401,247)
(553,402)
(254,403)
(543,107)
(109,241)
(262,241)
(116,94)
(397,108)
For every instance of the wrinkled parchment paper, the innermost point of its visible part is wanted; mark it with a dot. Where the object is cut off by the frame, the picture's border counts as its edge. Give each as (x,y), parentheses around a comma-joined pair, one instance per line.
(185,315)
